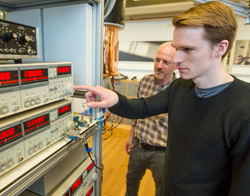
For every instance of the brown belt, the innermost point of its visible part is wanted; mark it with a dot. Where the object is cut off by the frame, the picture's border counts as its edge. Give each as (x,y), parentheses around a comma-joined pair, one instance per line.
(150,147)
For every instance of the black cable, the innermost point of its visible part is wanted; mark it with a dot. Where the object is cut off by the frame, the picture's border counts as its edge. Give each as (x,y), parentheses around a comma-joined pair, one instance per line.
(87,149)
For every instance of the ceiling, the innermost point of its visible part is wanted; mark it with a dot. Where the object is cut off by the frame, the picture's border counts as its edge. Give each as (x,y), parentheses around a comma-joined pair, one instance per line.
(132,3)
(148,9)
(135,3)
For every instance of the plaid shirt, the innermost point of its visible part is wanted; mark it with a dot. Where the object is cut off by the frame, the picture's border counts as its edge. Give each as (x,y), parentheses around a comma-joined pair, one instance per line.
(152,130)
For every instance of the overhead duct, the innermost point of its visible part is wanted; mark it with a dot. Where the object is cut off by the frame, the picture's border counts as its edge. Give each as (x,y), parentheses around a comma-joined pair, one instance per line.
(142,49)
(113,22)
(157,11)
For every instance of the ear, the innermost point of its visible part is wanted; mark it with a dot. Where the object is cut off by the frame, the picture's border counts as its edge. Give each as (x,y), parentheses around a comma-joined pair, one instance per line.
(221,48)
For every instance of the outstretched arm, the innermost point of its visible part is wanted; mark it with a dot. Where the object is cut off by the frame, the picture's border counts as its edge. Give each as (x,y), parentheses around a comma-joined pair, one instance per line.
(108,98)
(127,108)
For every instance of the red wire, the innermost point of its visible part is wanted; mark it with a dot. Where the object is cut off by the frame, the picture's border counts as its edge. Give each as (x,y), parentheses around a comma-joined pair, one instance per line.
(113,83)
(85,109)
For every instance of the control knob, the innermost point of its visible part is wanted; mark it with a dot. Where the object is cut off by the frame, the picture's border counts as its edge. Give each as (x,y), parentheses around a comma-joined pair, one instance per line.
(23,38)
(4,168)
(30,51)
(70,89)
(15,108)
(19,159)
(14,101)
(4,103)
(7,36)
(70,125)
(93,176)
(59,94)
(5,111)
(45,99)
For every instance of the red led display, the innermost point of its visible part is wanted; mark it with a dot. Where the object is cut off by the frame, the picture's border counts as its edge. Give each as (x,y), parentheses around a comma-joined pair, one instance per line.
(63,70)
(8,78)
(64,110)
(36,123)
(34,75)
(75,185)
(5,76)
(90,191)
(90,167)
(10,134)
(67,194)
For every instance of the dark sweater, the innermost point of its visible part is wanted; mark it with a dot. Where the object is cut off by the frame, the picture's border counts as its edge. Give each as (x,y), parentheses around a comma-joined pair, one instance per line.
(208,149)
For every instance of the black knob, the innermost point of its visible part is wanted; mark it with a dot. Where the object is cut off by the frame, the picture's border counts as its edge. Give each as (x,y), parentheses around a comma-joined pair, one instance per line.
(23,38)
(7,36)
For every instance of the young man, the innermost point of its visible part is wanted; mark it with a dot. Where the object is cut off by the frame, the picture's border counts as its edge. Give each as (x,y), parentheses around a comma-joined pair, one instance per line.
(149,136)
(208,150)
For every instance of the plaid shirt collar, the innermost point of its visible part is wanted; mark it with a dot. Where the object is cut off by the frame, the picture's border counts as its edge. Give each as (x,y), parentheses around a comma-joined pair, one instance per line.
(164,86)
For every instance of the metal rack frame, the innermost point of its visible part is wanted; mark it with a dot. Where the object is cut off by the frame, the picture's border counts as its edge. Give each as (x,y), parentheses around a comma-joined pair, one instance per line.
(96,75)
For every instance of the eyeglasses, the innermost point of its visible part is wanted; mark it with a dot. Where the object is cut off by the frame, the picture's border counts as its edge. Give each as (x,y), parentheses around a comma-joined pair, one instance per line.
(158,60)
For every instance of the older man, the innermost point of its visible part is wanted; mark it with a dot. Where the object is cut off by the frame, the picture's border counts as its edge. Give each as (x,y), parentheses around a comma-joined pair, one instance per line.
(149,136)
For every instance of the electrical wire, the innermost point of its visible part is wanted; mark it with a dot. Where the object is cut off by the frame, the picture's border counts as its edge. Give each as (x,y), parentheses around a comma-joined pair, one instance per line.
(107,116)
(113,83)
(112,128)
(85,109)
(87,149)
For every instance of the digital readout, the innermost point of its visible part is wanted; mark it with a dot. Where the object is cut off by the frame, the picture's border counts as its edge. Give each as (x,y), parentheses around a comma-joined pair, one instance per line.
(75,185)
(5,75)
(90,191)
(10,134)
(67,194)
(8,78)
(36,123)
(64,110)
(63,70)
(34,75)
(90,167)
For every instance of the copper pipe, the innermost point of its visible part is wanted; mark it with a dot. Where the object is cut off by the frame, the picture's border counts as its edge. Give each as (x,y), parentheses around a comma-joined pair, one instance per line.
(110,51)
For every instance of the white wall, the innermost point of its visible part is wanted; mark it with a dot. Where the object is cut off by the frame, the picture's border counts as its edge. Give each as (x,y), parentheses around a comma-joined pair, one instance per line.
(65,35)
(162,30)
(68,37)
(151,30)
